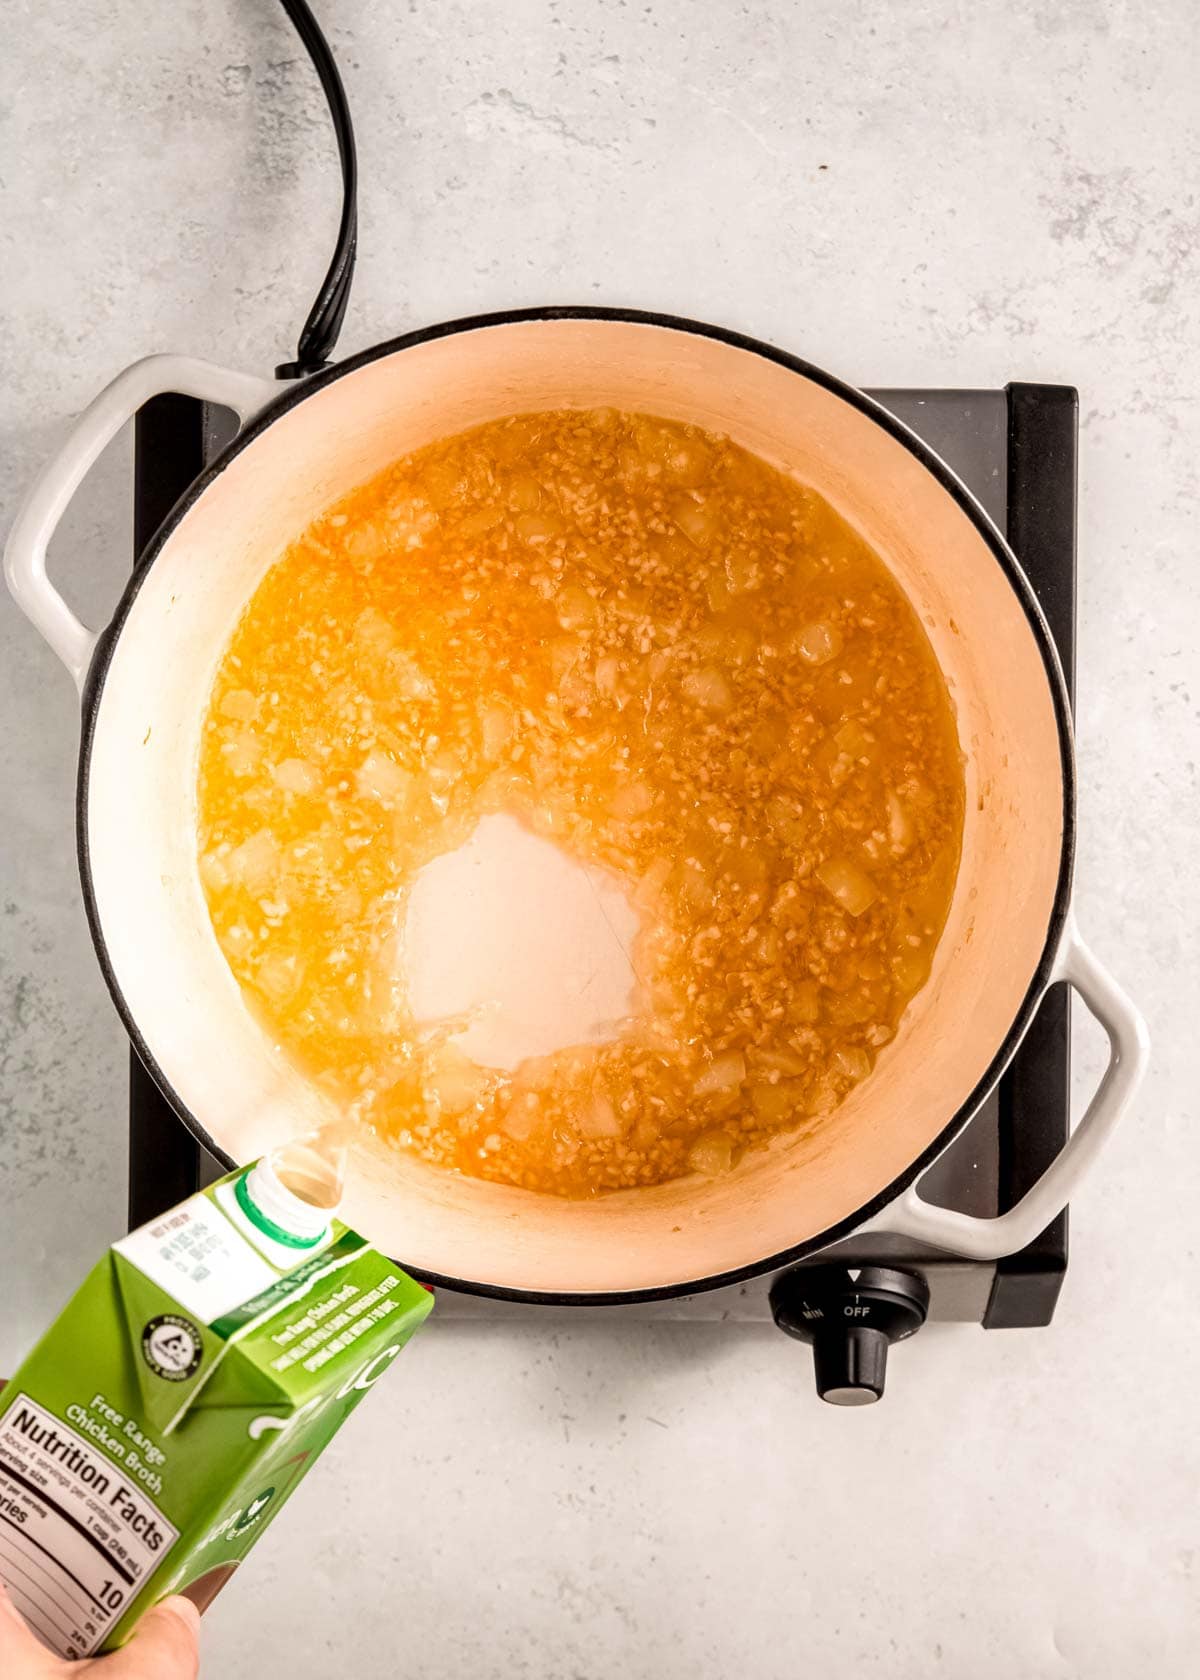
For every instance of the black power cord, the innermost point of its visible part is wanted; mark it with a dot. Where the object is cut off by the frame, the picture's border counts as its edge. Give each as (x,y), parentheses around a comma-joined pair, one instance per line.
(325,318)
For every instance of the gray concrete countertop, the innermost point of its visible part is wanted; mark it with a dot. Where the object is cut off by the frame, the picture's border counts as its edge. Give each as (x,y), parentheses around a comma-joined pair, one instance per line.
(920,193)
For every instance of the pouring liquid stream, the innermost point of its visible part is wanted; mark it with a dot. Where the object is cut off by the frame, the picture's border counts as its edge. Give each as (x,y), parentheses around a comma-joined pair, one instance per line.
(508,949)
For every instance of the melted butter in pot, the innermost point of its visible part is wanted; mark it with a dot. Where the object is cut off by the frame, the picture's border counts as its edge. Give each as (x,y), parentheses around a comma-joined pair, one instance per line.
(580,803)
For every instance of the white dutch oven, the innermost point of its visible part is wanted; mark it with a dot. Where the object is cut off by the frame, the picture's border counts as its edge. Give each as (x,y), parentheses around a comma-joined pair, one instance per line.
(144,683)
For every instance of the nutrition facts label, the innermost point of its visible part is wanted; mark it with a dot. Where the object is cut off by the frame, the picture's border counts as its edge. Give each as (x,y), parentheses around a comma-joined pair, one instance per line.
(77,1538)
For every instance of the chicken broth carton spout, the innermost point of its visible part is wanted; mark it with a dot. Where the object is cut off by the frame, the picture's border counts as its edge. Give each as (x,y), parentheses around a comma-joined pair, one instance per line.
(168,1414)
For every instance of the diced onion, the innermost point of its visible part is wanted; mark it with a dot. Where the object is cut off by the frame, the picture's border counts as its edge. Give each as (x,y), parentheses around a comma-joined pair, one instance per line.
(901,831)
(412,519)
(296,775)
(456,1083)
(607,674)
(741,572)
(686,461)
(380,777)
(804,1005)
(786,1062)
(712,1154)
(240,705)
(851,886)
(775,1103)
(481,520)
(632,799)
(525,494)
(910,967)
(768,947)
(407,678)
(278,977)
(818,642)
(733,644)
(213,871)
(374,634)
(565,652)
(242,752)
(786,820)
(255,863)
(717,591)
(535,528)
(576,609)
(696,520)
(852,738)
(596,1119)
(694,886)
(855,1063)
(708,688)
(495,730)
(722,1075)
(522,1116)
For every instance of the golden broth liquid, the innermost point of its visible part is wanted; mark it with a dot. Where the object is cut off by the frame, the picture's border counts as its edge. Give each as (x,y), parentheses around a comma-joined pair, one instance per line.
(669,658)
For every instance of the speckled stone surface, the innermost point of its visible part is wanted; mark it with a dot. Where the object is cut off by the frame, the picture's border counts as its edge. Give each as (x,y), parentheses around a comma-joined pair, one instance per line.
(908,194)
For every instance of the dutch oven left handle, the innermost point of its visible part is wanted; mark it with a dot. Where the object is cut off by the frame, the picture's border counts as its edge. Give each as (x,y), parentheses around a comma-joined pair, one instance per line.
(910,1215)
(48,498)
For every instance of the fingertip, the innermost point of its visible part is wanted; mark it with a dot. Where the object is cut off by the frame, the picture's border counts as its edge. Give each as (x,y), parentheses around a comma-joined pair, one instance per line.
(7,1607)
(14,1629)
(165,1642)
(183,1607)
(184,1611)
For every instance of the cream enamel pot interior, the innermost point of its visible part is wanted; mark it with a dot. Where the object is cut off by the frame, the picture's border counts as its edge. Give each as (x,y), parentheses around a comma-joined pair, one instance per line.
(145,682)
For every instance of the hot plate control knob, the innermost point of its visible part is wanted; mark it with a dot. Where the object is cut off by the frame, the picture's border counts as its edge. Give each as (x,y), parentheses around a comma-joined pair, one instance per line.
(851,1315)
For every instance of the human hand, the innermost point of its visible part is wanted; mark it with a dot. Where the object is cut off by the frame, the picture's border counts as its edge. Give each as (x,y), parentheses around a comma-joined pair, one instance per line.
(165,1646)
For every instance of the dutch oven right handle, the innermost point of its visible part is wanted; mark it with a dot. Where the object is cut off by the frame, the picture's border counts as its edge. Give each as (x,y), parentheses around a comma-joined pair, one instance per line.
(51,492)
(990,1239)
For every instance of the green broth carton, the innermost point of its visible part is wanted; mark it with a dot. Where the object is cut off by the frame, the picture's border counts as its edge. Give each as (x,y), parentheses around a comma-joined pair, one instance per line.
(171,1410)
